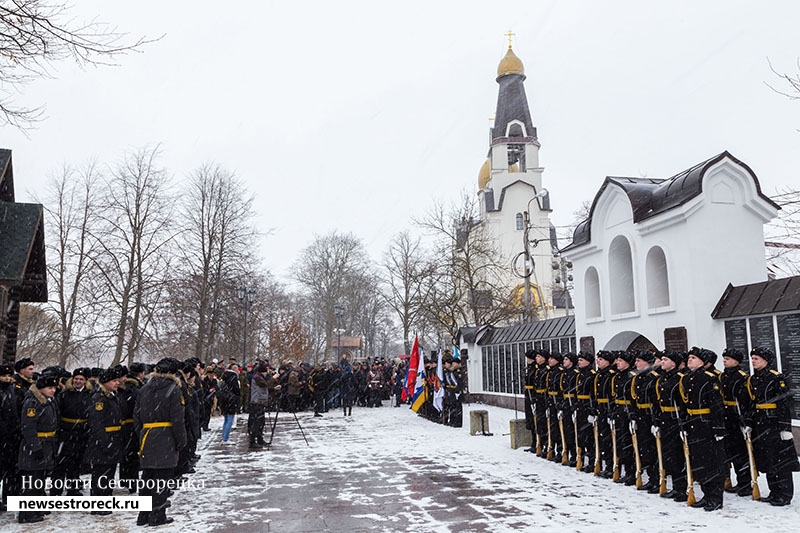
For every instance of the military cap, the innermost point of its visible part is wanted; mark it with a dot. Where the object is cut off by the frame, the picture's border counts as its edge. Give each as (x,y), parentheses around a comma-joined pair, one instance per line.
(95,372)
(626,355)
(646,355)
(47,380)
(137,367)
(587,356)
(82,371)
(530,354)
(764,353)
(109,374)
(572,357)
(23,363)
(733,353)
(6,370)
(673,355)
(607,355)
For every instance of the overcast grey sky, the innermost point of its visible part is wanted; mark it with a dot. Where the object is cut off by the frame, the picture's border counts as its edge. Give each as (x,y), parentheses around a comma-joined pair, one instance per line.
(356,115)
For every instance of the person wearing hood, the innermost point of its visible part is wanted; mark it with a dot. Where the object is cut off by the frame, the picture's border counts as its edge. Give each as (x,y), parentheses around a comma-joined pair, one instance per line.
(159,421)
(105,446)
(38,425)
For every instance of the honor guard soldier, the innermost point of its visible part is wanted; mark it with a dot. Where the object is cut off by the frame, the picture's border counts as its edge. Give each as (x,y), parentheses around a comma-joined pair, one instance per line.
(644,396)
(733,382)
(73,405)
(704,424)
(105,446)
(530,390)
(540,400)
(127,391)
(624,417)
(159,421)
(38,425)
(667,427)
(769,426)
(553,381)
(604,398)
(584,408)
(569,398)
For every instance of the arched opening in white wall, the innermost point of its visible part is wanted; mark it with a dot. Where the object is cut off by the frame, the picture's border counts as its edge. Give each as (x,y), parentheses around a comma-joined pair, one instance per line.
(591,284)
(520,222)
(620,273)
(657,278)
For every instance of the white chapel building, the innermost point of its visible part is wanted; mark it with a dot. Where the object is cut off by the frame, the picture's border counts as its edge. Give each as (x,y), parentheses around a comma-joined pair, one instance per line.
(655,255)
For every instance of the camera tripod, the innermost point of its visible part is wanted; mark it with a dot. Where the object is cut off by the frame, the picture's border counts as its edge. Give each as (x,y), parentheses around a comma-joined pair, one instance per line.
(275,425)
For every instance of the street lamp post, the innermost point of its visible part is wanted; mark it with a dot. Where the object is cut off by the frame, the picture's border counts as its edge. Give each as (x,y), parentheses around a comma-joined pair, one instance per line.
(246,295)
(338,310)
(530,264)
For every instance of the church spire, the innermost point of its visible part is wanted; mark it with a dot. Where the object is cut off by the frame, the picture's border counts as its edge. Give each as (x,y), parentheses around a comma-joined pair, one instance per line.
(512,118)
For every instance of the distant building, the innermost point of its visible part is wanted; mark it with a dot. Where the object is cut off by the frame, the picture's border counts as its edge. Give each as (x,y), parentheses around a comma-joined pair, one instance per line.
(353,347)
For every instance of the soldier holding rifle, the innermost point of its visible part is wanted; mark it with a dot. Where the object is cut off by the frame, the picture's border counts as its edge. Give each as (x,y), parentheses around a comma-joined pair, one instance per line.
(769,427)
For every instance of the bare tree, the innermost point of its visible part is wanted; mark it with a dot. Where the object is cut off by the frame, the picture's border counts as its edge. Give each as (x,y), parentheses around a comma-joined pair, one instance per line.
(39,335)
(71,206)
(471,286)
(132,259)
(783,235)
(407,274)
(327,268)
(35,34)
(215,244)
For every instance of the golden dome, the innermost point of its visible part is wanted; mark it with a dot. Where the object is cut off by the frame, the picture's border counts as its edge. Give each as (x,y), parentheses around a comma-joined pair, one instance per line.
(510,64)
(518,296)
(484,175)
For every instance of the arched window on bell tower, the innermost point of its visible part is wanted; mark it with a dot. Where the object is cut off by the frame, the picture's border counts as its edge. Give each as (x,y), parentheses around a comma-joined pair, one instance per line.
(520,222)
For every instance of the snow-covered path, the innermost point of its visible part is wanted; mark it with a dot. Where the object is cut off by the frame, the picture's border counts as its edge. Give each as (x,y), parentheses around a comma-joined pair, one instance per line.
(389,470)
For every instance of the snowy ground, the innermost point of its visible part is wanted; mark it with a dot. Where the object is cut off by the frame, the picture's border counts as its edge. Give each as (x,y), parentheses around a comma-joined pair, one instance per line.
(388,470)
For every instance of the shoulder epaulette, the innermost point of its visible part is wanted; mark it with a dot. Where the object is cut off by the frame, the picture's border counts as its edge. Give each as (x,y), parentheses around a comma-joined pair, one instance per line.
(654,373)
(713,375)
(742,372)
(593,371)
(774,371)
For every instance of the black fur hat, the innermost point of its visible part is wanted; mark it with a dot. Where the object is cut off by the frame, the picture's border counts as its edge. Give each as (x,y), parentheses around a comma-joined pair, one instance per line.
(764,353)
(23,363)
(47,380)
(733,353)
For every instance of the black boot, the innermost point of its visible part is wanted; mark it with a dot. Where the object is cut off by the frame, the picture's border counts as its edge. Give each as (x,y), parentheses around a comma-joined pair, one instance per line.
(143,518)
(158,518)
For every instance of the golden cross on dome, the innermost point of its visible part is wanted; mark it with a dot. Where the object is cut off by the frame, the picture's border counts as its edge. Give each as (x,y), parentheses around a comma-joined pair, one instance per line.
(510,35)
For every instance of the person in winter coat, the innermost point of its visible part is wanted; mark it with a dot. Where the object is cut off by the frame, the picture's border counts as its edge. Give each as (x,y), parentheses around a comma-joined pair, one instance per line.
(159,422)
(73,408)
(38,425)
(263,385)
(348,387)
(228,395)
(9,437)
(105,446)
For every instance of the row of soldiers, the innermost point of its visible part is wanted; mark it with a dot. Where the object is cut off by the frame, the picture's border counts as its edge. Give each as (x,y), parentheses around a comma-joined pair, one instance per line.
(62,424)
(631,415)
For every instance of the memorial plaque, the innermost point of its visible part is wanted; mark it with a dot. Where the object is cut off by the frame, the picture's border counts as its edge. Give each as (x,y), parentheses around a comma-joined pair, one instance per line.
(587,344)
(762,333)
(789,342)
(736,335)
(675,339)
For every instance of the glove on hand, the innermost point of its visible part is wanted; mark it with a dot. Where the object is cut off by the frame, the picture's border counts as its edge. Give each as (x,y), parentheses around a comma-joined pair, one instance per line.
(786,435)
(747,432)
(591,419)
(655,431)
(632,426)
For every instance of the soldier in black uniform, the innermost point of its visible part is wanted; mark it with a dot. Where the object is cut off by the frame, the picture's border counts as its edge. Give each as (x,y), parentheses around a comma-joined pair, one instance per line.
(604,398)
(454,386)
(38,425)
(530,390)
(623,415)
(540,399)
(105,445)
(585,407)
(9,436)
(159,421)
(128,390)
(734,396)
(644,396)
(73,408)
(553,381)
(23,379)
(568,399)
(667,425)
(704,423)
(769,423)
